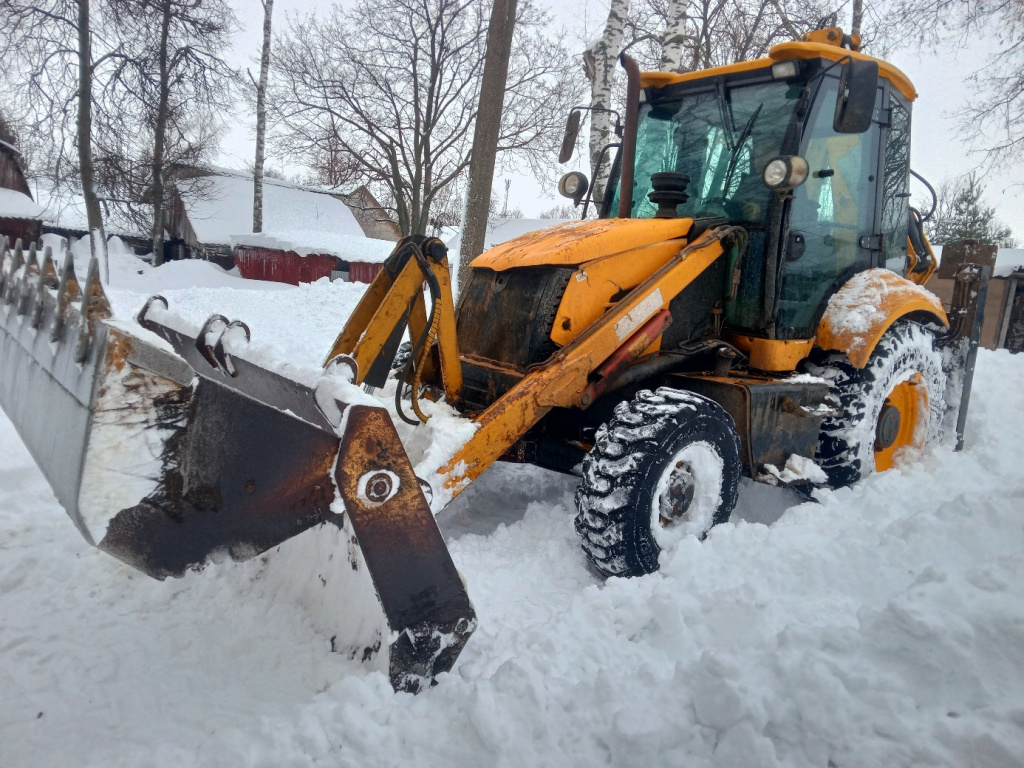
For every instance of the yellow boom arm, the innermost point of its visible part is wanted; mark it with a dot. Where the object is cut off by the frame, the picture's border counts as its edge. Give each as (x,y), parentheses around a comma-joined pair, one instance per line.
(561,381)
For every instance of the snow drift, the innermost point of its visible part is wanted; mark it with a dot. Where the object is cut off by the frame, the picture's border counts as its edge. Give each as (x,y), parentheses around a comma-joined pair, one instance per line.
(879,626)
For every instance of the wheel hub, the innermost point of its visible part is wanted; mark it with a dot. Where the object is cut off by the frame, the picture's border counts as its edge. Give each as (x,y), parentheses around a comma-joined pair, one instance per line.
(676,499)
(888,426)
(900,420)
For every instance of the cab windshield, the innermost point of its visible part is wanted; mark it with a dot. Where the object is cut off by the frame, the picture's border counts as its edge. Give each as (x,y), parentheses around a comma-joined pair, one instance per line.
(722,139)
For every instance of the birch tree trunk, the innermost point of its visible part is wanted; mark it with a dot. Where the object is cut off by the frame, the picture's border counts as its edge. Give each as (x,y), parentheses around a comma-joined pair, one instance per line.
(786,22)
(97,237)
(858,17)
(599,62)
(486,133)
(675,35)
(160,131)
(261,121)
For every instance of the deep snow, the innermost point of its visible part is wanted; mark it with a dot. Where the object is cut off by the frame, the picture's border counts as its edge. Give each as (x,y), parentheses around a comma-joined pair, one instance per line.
(883,626)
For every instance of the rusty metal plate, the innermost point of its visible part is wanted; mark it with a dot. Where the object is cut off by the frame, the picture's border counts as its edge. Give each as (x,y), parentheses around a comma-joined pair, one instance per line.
(419,587)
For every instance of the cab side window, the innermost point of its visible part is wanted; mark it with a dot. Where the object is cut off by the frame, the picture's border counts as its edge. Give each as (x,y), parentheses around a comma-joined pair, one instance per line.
(827,216)
(896,189)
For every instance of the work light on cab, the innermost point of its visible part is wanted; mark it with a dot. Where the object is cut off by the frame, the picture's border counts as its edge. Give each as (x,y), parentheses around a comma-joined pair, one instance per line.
(785,172)
(573,185)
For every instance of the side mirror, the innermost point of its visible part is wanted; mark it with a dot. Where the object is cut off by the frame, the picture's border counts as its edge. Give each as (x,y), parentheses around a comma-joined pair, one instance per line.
(572,131)
(573,185)
(856,101)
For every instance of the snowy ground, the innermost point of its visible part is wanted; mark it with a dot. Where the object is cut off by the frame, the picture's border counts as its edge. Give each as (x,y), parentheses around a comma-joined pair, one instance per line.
(883,626)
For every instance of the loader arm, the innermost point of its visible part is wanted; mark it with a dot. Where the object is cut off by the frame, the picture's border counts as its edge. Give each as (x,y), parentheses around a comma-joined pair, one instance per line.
(373,331)
(566,378)
(569,378)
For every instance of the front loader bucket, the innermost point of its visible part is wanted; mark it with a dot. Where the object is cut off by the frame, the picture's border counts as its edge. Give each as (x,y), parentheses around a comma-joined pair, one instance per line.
(168,451)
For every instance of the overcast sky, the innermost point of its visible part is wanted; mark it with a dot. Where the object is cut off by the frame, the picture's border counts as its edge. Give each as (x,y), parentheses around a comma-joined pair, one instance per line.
(936,154)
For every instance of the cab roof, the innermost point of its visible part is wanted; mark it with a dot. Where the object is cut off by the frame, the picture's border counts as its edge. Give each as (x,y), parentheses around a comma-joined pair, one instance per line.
(786,52)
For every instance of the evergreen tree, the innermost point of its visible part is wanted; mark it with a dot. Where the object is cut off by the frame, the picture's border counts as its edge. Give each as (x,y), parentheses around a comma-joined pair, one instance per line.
(962,215)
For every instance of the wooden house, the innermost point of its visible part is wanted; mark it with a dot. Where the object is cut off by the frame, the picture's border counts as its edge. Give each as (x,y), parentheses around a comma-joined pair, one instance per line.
(20,215)
(64,214)
(307,233)
(373,218)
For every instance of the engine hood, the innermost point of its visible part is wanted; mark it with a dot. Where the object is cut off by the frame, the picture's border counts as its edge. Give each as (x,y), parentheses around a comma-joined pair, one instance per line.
(577,242)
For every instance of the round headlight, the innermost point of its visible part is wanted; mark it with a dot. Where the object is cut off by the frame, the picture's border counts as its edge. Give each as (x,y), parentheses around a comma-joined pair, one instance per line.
(573,185)
(775,173)
(785,172)
(798,170)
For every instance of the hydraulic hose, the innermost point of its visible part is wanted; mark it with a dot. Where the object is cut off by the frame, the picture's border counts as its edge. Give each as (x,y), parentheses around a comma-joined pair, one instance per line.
(421,349)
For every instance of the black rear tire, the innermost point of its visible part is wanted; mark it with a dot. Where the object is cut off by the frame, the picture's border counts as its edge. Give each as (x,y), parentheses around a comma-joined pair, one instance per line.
(666,466)
(849,447)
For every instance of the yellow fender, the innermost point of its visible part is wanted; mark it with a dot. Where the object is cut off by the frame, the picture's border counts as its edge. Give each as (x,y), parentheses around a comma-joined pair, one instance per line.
(863,309)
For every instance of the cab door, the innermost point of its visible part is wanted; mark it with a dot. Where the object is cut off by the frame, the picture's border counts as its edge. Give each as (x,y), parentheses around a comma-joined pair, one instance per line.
(831,222)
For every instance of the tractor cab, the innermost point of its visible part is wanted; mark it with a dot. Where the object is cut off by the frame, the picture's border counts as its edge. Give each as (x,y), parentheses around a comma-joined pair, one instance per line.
(807,150)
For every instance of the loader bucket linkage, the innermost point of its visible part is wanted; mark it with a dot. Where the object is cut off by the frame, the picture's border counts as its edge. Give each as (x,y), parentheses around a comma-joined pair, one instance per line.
(169,447)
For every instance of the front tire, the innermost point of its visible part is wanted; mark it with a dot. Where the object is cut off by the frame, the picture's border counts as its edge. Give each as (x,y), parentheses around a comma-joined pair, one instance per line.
(889,411)
(665,467)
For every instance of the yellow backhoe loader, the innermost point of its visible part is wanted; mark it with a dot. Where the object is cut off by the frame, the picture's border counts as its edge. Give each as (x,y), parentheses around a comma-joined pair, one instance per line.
(749,301)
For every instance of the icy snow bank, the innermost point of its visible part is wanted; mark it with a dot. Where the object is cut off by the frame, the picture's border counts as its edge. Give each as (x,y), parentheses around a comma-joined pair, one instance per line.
(130,273)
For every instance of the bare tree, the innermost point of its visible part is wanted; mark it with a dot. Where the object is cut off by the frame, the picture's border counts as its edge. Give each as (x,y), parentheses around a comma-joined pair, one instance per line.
(261,120)
(993,119)
(505,212)
(447,210)
(47,57)
(174,83)
(485,134)
(563,211)
(856,17)
(149,104)
(332,166)
(680,36)
(709,33)
(97,237)
(392,87)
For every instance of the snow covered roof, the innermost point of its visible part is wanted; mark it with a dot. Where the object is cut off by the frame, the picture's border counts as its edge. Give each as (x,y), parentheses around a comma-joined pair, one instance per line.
(305,242)
(222,208)
(66,211)
(18,205)
(502,230)
(295,218)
